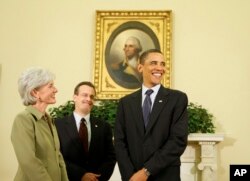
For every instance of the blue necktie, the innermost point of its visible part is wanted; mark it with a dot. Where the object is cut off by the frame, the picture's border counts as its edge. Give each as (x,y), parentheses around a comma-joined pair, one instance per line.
(146,108)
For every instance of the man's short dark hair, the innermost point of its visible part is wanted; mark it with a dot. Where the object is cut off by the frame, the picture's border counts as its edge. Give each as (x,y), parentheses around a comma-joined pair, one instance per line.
(145,54)
(76,90)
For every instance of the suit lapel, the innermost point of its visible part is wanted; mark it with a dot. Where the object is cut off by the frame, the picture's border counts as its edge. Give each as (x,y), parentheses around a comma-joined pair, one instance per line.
(94,133)
(71,129)
(159,103)
(136,105)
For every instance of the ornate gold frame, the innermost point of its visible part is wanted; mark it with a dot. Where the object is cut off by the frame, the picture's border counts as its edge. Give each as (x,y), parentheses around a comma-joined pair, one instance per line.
(109,24)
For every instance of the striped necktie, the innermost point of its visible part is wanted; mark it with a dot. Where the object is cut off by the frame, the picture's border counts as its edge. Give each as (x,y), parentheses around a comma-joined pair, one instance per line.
(146,108)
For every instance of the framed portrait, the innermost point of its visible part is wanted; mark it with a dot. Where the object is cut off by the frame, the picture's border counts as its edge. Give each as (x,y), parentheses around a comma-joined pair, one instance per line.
(121,36)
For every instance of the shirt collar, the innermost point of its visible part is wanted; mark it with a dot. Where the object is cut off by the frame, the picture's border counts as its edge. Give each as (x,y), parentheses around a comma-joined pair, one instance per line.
(35,112)
(78,117)
(155,89)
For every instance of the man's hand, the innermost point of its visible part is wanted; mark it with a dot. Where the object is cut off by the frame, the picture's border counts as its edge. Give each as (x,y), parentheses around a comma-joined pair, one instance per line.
(90,177)
(139,176)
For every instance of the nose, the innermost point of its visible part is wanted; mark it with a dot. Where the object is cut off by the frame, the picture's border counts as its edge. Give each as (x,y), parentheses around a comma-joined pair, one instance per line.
(88,98)
(160,67)
(55,90)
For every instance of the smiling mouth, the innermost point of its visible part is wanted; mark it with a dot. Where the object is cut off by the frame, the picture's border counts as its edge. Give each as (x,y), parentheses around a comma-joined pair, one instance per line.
(157,74)
(88,103)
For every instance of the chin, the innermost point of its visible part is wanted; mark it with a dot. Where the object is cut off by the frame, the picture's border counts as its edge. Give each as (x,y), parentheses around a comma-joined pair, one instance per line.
(156,82)
(52,102)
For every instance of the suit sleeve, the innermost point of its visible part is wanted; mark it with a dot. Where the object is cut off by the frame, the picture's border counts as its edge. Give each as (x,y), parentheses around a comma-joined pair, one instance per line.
(74,171)
(107,167)
(23,141)
(121,146)
(176,143)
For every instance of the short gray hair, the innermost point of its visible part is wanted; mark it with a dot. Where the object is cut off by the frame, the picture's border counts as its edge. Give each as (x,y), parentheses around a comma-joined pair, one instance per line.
(31,79)
(136,42)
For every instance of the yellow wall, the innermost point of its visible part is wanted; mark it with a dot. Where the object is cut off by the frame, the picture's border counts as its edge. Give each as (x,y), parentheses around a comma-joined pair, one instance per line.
(210,62)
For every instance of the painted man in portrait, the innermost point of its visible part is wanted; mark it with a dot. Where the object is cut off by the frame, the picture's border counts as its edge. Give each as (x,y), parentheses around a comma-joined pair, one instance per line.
(126,70)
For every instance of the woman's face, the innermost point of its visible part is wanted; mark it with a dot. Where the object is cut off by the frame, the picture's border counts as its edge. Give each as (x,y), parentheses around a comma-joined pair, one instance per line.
(46,93)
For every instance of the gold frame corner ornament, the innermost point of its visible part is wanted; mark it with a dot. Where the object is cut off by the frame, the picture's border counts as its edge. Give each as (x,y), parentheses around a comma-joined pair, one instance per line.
(153,28)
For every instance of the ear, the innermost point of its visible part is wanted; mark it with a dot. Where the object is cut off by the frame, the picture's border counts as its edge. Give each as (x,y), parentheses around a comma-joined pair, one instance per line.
(34,93)
(74,97)
(139,68)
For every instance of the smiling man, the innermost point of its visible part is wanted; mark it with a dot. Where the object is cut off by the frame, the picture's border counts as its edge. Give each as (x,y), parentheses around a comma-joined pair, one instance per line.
(89,155)
(151,126)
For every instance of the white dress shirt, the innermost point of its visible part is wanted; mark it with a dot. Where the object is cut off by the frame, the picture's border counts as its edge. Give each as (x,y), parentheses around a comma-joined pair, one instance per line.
(153,95)
(78,122)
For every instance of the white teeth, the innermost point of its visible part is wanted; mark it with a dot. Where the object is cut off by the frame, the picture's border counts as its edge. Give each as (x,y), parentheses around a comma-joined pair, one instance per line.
(157,74)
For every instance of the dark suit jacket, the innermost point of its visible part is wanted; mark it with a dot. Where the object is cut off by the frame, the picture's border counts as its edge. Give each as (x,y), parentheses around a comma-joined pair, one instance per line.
(158,147)
(101,157)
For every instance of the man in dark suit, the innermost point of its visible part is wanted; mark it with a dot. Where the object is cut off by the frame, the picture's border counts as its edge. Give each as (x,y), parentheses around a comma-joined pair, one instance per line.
(98,161)
(150,147)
